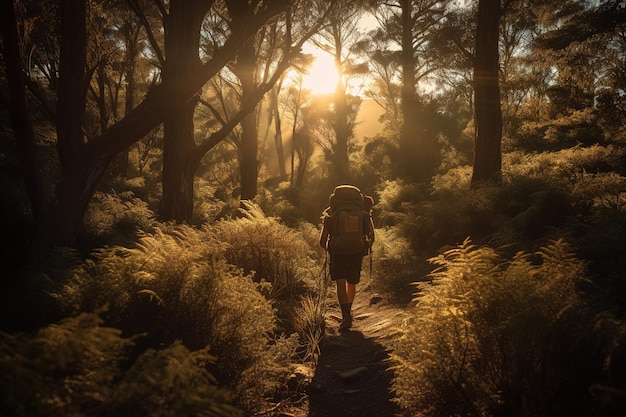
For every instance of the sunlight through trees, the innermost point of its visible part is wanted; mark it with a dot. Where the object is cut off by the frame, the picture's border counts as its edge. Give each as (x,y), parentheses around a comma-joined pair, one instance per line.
(164,166)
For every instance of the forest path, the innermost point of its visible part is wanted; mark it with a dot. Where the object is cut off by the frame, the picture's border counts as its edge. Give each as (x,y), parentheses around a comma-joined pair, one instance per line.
(352,377)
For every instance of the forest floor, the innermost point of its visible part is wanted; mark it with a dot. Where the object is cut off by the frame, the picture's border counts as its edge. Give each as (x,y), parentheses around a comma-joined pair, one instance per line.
(352,377)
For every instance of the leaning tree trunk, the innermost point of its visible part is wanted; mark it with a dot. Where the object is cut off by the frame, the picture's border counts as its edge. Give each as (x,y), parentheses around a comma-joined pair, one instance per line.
(84,163)
(182,44)
(488,114)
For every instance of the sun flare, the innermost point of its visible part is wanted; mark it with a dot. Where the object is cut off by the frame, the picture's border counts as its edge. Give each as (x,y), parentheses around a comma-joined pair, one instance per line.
(322,76)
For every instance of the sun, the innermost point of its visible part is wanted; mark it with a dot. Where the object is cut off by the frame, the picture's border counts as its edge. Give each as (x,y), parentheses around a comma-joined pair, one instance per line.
(322,75)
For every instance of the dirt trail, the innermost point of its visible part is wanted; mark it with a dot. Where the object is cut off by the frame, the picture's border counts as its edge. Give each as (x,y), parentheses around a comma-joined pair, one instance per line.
(352,377)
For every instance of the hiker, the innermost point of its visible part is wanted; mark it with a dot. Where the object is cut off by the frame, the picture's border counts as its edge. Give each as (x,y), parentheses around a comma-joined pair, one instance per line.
(347,235)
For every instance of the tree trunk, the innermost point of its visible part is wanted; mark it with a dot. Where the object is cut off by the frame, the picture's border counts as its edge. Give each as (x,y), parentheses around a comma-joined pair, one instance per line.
(488,115)
(72,198)
(178,175)
(77,182)
(340,125)
(18,108)
(72,86)
(408,132)
(83,164)
(182,43)
(278,134)
(418,147)
(248,147)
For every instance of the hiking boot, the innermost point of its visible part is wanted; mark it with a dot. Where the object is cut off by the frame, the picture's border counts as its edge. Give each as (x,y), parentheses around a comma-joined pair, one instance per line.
(346,323)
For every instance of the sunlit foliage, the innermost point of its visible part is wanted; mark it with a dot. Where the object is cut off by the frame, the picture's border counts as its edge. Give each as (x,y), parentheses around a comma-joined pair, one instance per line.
(494,336)
(114,218)
(274,253)
(176,285)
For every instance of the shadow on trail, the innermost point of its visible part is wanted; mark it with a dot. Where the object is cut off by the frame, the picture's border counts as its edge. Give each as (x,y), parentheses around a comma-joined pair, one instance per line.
(351,379)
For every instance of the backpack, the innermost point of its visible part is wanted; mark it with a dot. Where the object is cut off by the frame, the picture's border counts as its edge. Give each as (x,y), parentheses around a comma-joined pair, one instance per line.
(349,221)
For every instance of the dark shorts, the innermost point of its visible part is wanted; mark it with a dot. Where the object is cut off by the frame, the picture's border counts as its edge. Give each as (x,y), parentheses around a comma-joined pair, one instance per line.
(346,267)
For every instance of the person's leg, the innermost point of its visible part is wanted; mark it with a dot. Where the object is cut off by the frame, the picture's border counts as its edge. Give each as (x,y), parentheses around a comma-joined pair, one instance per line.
(344,303)
(350,292)
(353,276)
(340,267)
(342,293)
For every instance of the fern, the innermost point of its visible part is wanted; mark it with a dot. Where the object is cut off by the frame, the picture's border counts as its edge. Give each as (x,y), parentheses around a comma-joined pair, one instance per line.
(78,367)
(487,332)
(175,284)
(173,382)
(64,369)
(276,254)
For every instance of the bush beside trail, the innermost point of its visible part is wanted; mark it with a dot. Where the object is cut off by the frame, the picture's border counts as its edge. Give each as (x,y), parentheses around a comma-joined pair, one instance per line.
(185,288)
(491,335)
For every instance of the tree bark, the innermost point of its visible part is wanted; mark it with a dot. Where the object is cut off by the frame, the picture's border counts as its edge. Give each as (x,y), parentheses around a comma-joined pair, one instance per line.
(488,114)
(278,134)
(342,134)
(77,181)
(248,146)
(178,175)
(182,43)
(408,131)
(418,147)
(71,96)
(18,109)
(340,123)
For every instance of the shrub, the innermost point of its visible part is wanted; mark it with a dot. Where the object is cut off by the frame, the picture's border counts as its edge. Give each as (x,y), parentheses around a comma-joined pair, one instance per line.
(176,285)
(395,265)
(78,367)
(564,164)
(207,208)
(432,218)
(600,230)
(114,219)
(490,336)
(62,369)
(600,196)
(522,211)
(275,253)
(171,382)
(282,201)
(529,210)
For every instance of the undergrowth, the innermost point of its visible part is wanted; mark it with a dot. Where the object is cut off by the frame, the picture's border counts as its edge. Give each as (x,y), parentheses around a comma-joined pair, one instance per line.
(490,335)
(177,284)
(81,367)
(274,254)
